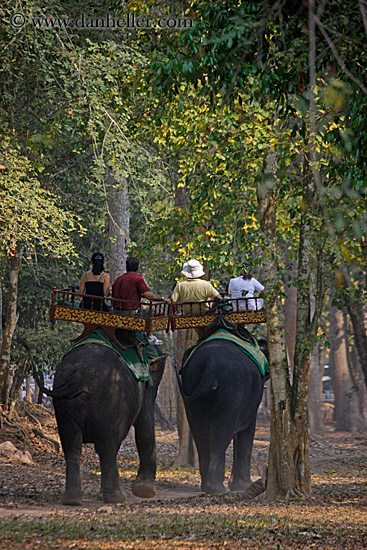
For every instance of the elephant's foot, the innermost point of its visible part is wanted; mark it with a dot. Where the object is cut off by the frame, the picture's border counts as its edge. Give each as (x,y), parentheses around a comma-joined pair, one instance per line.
(114,498)
(144,488)
(214,488)
(72,499)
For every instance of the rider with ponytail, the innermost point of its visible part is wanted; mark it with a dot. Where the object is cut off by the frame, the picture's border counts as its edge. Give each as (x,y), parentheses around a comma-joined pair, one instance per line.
(95,282)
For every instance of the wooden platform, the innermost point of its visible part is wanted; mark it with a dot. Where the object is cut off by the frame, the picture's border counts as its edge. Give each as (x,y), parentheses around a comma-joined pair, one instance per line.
(204,320)
(148,316)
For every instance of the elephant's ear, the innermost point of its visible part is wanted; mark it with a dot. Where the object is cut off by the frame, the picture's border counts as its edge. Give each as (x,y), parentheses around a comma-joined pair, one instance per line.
(263,345)
(157,368)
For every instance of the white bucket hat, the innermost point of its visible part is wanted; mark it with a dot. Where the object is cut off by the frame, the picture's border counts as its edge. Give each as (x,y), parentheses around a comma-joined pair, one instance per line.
(193,269)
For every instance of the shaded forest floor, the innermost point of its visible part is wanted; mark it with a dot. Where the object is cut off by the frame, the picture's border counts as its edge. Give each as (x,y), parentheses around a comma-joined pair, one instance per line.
(180,516)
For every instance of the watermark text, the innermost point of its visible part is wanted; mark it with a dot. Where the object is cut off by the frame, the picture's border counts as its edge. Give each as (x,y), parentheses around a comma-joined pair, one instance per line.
(129,20)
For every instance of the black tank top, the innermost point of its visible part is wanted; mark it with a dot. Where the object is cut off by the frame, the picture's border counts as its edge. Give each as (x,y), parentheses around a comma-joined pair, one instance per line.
(95,288)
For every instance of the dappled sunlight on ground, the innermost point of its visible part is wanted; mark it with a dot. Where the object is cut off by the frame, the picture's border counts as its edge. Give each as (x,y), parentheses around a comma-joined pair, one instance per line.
(180,516)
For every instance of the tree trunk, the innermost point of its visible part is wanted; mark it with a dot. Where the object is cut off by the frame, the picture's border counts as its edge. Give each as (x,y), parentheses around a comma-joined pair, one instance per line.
(161,418)
(356,417)
(10,324)
(1,312)
(289,466)
(119,223)
(16,385)
(187,454)
(316,421)
(306,328)
(357,317)
(340,373)
(181,195)
(167,393)
(361,391)
(305,334)
(281,470)
(290,313)
(28,391)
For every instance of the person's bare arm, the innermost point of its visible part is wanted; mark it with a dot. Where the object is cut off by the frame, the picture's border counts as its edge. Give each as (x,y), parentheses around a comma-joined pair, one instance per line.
(214,303)
(106,285)
(82,284)
(150,296)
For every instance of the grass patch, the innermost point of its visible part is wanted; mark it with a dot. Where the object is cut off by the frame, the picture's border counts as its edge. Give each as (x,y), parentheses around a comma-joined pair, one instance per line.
(206,525)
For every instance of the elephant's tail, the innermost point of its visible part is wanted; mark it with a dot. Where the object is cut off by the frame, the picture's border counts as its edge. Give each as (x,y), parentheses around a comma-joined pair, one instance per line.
(64,391)
(207,384)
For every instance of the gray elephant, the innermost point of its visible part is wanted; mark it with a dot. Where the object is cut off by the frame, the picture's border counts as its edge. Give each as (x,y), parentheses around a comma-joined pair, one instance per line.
(222,389)
(97,399)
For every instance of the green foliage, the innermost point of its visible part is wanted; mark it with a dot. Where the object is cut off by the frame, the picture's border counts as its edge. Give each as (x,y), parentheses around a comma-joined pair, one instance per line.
(187,118)
(30,213)
(72,110)
(214,159)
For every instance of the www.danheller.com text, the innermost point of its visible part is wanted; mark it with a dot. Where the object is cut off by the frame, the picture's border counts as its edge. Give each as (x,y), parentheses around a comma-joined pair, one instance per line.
(129,20)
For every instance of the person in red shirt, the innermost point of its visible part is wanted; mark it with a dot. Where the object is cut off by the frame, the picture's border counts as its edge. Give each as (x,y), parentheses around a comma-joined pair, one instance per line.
(131,287)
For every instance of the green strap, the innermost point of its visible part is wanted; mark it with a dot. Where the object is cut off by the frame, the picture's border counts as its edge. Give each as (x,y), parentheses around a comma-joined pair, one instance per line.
(130,357)
(251,349)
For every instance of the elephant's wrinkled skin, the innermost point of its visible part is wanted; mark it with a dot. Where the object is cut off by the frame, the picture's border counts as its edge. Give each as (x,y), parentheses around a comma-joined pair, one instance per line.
(100,400)
(222,390)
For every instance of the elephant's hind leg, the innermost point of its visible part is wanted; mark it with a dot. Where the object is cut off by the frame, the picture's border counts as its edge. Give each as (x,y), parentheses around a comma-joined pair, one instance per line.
(220,438)
(242,450)
(72,446)
(144,484)
(204,455)
(110,482)
(200,428)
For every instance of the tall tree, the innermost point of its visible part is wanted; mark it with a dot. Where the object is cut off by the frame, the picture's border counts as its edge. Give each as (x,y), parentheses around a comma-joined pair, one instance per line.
(221,49)
(119,223)
(340,372)
(23,224)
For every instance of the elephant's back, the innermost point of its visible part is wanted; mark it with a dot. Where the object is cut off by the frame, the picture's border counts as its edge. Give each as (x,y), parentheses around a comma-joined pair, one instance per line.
(91,367)
(222,365)
(219,355)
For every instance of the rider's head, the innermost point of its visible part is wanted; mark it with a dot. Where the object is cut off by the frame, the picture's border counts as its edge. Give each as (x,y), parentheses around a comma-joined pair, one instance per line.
(97,263)
(246,271)
(193,269)
(132,264)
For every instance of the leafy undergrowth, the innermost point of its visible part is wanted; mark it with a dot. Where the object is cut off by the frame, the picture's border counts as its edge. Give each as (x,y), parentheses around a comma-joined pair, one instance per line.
(31,515)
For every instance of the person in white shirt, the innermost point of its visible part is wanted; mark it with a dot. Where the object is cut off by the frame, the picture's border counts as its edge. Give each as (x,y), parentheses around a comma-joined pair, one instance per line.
(245,286)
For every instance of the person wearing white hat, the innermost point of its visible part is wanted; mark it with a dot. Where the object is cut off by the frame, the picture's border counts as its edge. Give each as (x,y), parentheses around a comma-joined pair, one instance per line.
(194,289)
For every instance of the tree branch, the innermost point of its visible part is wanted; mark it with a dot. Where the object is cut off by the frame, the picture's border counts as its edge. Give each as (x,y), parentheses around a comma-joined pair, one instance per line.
(321,8)
(362,7)
(337,56)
